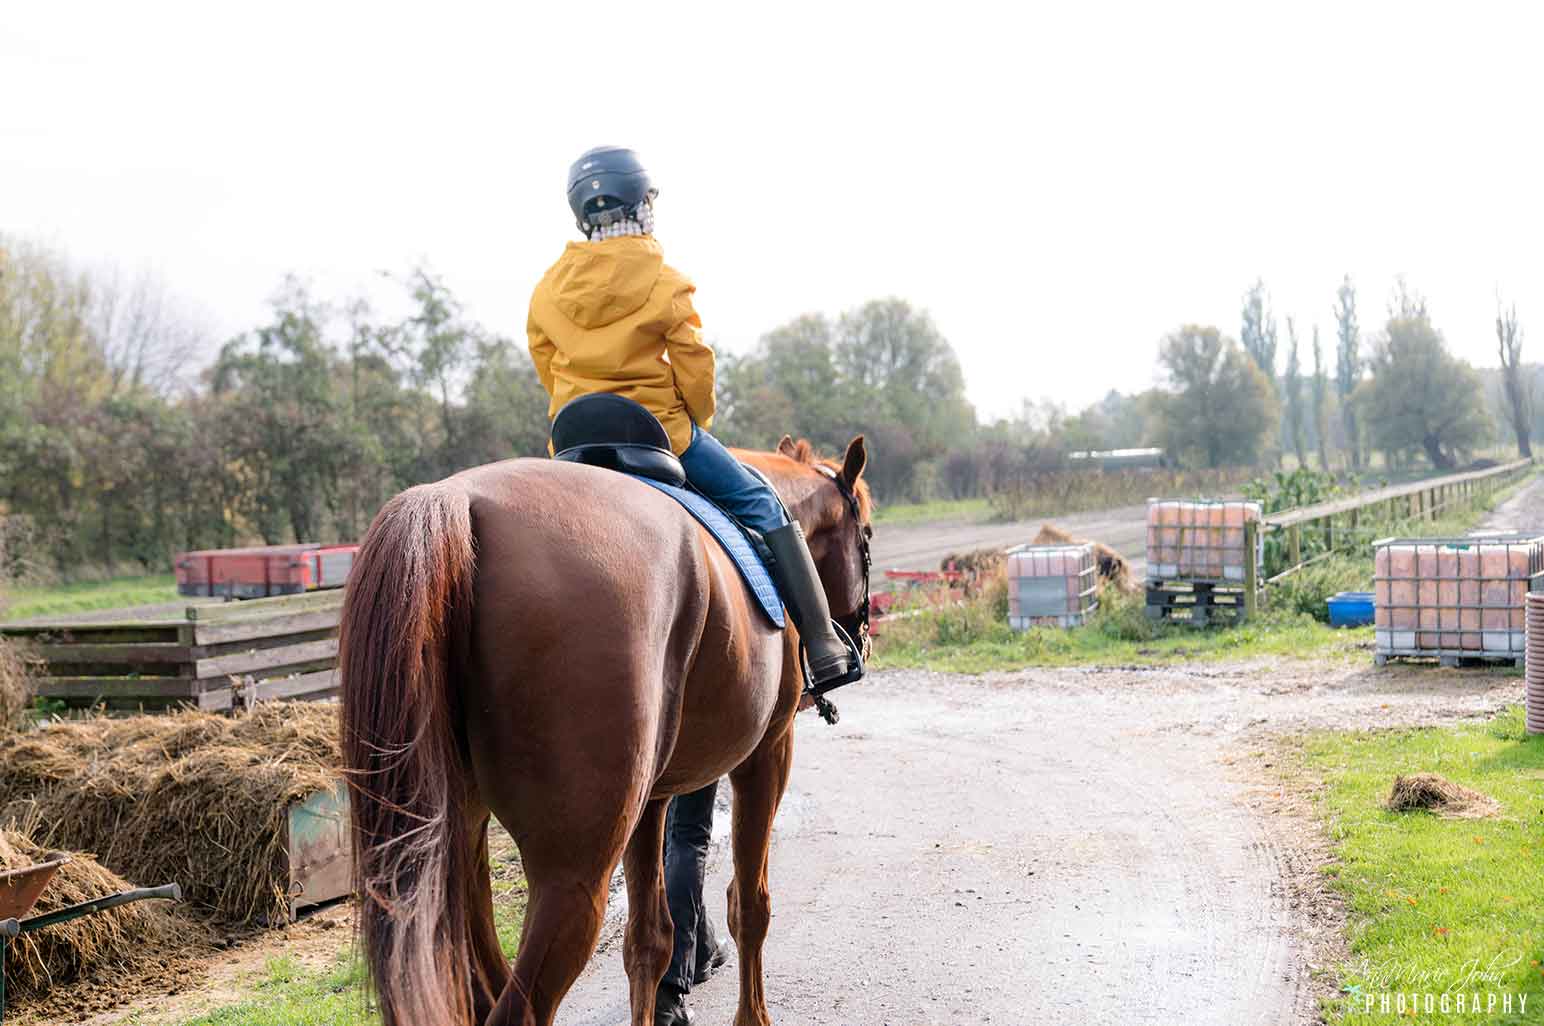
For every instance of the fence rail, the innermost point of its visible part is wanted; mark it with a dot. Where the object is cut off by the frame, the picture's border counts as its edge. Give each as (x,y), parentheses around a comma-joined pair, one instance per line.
(213,657)
(1341,525)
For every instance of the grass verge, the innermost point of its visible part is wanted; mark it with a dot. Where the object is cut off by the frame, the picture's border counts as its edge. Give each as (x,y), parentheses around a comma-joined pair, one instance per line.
(286,993)
(974,637)
(289,995)
(972,510)
(1438,906)
(86,596)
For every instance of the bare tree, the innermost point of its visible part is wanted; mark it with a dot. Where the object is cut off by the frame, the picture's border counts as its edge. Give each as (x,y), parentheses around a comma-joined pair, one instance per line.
(1348,366)
(1321,413)
(1509,341)
(1258,333)
(147,339)
(1293,382)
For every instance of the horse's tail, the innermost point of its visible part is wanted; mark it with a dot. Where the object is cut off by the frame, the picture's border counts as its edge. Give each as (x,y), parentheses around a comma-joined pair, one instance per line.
(406,613)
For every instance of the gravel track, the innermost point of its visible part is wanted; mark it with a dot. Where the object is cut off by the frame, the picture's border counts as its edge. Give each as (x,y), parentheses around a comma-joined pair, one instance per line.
(1059,846)
(1051,846)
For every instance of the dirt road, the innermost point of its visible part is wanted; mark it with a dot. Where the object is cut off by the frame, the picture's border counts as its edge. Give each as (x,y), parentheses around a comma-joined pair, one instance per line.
(921,546)
(1523,512)
(1064,846)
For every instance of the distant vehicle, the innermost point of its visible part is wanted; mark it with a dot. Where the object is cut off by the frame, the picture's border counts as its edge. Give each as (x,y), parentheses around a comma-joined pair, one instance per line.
(1119,459)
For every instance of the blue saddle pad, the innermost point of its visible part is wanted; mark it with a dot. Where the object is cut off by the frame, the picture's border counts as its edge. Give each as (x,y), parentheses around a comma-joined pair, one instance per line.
(757,578)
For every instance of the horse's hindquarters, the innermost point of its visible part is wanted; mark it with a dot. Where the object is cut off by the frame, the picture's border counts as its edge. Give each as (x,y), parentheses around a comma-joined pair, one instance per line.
(614,655)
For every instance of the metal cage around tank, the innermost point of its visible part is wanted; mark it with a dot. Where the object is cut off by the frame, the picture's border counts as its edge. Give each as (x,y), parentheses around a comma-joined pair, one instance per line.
(1051,585)
(1454,598)
(1202,540)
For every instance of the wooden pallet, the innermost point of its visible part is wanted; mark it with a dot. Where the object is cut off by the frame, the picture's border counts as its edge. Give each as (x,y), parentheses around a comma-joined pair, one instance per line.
(213,658)
(1451,659)
(1199,603)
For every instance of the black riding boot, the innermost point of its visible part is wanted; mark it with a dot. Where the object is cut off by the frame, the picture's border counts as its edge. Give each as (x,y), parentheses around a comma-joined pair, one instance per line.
(670,1009)
(833,662)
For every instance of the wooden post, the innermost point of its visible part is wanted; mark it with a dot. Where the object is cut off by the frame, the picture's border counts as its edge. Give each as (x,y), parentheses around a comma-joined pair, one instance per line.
(1251,568)
(1295,545)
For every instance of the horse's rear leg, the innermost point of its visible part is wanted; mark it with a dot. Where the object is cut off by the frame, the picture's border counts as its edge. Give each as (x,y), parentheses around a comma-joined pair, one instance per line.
(490,970)
(758,787)
(563,917)
(646,950)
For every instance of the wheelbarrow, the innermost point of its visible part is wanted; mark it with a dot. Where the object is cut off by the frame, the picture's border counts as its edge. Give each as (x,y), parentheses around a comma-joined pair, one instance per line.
(21,888)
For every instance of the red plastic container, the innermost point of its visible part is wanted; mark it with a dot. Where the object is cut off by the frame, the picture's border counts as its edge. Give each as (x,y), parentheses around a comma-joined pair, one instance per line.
(256,572)
(330,565)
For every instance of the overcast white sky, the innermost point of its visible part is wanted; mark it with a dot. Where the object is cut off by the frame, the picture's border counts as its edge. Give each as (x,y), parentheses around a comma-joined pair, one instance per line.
(1058,184)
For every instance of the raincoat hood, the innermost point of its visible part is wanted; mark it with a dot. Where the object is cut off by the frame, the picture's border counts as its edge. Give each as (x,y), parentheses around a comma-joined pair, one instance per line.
(612,316)
(598,283)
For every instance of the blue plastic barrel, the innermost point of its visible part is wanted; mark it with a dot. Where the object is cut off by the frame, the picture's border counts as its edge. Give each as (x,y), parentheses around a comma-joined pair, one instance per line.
(1351,609)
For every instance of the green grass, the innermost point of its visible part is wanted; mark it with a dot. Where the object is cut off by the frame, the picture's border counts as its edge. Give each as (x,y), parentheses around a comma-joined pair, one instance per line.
(288,994)
(1428,898)
(974,637)
(975,510)
(86,596)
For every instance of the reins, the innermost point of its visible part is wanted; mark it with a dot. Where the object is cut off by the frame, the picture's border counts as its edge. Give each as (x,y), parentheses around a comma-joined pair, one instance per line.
(824,705)
(856,507)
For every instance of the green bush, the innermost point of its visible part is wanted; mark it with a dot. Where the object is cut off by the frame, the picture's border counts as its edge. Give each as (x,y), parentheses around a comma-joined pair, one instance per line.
(1307,590)
(1123,617)
(968,622)
(1302,487)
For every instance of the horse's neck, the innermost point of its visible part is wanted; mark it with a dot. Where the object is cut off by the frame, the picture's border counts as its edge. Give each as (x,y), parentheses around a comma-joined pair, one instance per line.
(801,494)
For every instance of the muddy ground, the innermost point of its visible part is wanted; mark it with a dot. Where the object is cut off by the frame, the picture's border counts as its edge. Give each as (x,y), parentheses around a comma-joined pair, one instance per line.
(1072,846)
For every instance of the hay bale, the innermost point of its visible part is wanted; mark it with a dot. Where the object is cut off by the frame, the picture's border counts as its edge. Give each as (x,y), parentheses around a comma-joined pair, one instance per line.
(119,937)
(1437,794)
(15,690)
(981,568)
(1112,566)
(191,797)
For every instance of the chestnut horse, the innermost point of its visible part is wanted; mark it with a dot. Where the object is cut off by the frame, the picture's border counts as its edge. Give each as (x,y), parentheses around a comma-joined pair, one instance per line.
(563,648)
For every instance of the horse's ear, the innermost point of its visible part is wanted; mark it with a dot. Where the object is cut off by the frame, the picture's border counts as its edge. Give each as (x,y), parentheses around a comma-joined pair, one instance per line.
(786,446)
(855,461)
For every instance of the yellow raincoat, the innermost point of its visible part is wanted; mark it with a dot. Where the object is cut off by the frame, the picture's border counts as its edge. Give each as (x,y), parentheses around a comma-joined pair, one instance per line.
(612,316)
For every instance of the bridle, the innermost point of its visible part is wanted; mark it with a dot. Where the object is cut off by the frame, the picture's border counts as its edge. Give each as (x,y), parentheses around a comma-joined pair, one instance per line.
(865,533)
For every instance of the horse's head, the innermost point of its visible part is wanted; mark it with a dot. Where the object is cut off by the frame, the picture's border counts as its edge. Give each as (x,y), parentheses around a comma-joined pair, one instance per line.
(831,500)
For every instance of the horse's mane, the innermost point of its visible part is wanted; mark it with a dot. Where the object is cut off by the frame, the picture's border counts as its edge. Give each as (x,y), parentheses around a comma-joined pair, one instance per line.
(804,452)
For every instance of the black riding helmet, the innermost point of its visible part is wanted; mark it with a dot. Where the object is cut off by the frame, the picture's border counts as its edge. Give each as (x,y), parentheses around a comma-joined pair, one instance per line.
(606,184)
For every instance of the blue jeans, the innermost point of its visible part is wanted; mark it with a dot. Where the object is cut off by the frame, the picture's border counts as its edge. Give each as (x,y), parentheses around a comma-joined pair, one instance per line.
(718,475)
